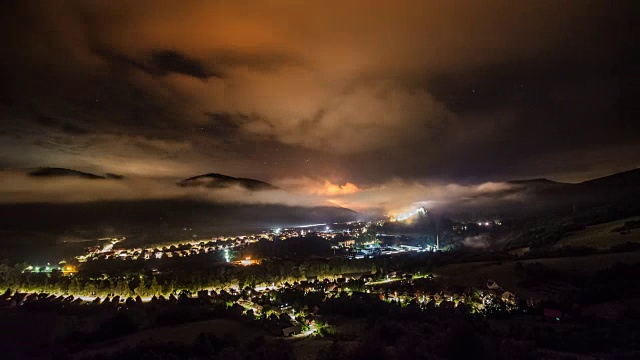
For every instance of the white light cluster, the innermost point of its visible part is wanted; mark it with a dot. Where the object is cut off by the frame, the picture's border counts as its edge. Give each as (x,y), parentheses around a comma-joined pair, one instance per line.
(411,214)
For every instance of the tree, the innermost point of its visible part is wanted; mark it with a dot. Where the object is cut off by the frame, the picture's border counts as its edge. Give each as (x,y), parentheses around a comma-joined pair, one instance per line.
(141,290)
(10,276)
(155,289)
(122,288)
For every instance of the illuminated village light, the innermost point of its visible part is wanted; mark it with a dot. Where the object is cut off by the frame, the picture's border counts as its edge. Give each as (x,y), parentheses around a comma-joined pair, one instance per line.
(406,216)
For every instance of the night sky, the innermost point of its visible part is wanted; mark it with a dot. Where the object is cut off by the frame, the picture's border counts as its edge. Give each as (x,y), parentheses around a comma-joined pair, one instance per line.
(360,94)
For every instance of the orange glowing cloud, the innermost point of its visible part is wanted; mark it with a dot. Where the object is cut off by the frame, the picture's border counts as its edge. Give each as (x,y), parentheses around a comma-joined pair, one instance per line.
(316,187)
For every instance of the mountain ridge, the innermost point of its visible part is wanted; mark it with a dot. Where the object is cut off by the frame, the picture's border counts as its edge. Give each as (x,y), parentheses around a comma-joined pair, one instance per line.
(629,177)
(534,181)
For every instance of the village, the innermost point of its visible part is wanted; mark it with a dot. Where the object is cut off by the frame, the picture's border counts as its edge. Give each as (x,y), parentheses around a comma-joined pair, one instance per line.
(289,309)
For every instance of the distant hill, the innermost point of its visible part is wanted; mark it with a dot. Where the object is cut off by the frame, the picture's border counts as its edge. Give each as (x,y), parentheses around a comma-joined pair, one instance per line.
(536,185)
(631,177)
(609,187)
(217,181)
(542,195)
(62,172)
(540,181)
(627,178)
(24,227)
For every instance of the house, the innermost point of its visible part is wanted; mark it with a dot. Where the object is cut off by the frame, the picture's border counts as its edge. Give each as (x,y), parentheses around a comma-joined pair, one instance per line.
(519,251)
(247,304)
(173,299)
(492,285)
(294,329)
(508,297)
(31,298)
(347,243)
(447,304)
(236,309)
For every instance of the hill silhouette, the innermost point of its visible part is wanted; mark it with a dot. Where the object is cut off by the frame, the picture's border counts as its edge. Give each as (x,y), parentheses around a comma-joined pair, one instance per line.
(62,172)
(217,181)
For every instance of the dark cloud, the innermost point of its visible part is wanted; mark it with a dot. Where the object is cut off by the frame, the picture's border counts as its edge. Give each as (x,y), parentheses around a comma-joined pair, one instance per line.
(172,61)
(223,124)
(159,63)
(72,129)
(46,120)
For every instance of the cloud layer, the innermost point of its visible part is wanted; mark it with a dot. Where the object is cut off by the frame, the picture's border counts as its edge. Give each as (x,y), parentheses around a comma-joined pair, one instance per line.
(391,198)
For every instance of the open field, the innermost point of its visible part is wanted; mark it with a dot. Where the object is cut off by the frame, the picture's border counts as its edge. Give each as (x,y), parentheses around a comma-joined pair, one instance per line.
(601,236)
(185,333)
(26,333)
(310,347)
(505,274)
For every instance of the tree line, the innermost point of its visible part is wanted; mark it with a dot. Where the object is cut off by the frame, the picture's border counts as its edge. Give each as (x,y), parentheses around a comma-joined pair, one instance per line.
(220,276)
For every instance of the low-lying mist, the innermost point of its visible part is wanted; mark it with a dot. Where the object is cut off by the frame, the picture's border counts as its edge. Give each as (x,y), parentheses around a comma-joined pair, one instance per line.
(391,198)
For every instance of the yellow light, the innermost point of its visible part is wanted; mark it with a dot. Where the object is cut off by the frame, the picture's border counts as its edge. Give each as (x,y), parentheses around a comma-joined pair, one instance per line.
(247,261)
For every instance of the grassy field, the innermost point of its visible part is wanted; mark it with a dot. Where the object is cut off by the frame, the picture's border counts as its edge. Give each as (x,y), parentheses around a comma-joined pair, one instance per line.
(600,236)
(25,332)
(185,333)
(309,348)
(504,273)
